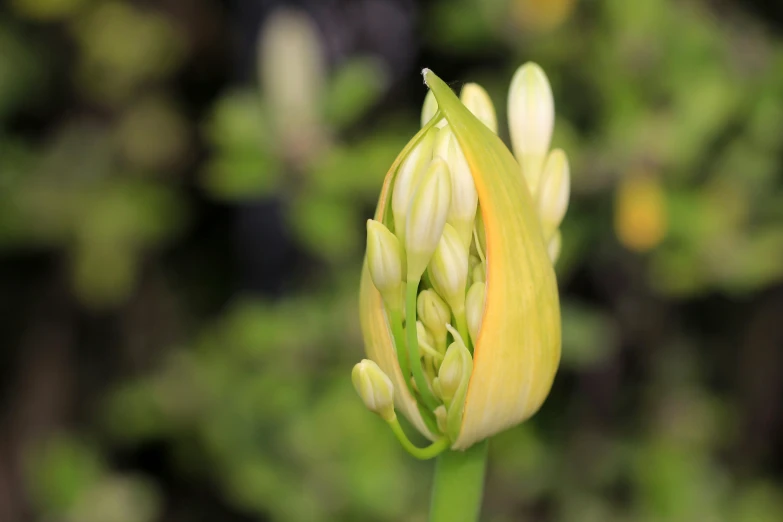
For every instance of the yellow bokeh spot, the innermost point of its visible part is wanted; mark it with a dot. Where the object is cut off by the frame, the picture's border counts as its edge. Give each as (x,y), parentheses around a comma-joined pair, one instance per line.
(640,218)
(541,15)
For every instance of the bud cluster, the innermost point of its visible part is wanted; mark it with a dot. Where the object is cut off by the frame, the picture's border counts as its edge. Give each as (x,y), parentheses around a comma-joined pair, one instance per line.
(427,257)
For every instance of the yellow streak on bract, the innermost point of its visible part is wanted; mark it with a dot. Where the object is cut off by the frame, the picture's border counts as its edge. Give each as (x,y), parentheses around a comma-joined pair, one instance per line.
(378,340)
(518,349)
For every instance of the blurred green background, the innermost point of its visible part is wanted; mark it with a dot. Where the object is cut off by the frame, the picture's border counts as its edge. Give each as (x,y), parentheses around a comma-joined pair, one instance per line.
(183,190)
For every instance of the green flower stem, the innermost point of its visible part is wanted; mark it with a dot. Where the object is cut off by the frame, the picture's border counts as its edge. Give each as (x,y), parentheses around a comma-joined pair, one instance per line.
(458,485)
(413,346)
(431,451)
(395,317)
(462,327)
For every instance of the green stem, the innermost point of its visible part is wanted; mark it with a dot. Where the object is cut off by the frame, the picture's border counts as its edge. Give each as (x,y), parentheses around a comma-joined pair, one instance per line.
(431,451)
(399,343)
(462,327)
(458,485)
(413,346)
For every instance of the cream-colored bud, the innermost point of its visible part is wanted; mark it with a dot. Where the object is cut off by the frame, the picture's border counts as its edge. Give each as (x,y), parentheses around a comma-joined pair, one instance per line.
(448,269)
(476,99)
(426,341)
(553,247)
(427,217)
(464,198)
(474,309)
(429,109)
(441,417)
(531,119)
(375,388)
(384,262)
(479,273)
(455,368)
(443,139)
(435,314)
(554,192)
(408,176)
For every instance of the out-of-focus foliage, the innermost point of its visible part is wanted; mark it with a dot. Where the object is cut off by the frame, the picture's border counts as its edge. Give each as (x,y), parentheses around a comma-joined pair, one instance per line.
(183,395)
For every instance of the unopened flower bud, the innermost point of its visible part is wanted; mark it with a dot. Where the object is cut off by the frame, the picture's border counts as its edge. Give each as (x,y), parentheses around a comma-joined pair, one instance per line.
(476,99)
(425,339)
(464,198)
(375,389)
(531,118)
(435,314)
(553,192)
(441,417)
(481,234)
(427,217)
(384,262)
(455,369)
(474,309)
(443,139)
(479,273)
(429,109)
(408,175)
(449,269)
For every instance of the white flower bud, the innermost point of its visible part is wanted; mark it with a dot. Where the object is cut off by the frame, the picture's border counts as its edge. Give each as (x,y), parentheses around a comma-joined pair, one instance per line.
(375,389)
(464,198)
(449,269)
(479,273)
(474,309)
(531,119)
(427,217)
(476,99)
(435,314)
(408,176)
(554,192)
(441,417)
(440,149)
(384,262)
(429,109)
(455,369)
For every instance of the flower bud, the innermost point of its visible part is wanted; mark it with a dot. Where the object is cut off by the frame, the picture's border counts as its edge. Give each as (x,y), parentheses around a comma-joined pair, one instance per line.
(553,192)
(449,269)
(429,109)
(479,273)
(441,417)
(425,339)
(531,118)
(435,314)
(384,261)
(476,99)
(474,309)
(455,369)
(464,198)
(443,139)
(481,234)
(427,217)
(375,389)
(408,175)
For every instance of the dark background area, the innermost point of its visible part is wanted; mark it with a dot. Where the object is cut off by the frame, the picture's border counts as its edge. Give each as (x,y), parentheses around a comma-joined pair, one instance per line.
(183,191)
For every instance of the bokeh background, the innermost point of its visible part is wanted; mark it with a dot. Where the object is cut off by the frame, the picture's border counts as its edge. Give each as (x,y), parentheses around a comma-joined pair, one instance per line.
(183,191)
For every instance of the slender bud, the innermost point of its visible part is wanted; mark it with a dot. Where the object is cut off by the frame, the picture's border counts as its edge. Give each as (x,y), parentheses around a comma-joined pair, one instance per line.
(554,192)
(464,198)
(553,247)
(408,175)
(449,269)
(435,314)
(441,417)
(425,338)
(473,262)
(479,274)
(456,366)
(454,377)
(474,309)
(476,99)
(443,139)
(384,262)
(531,118)
(375,388)
(427,217)
(429,109)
